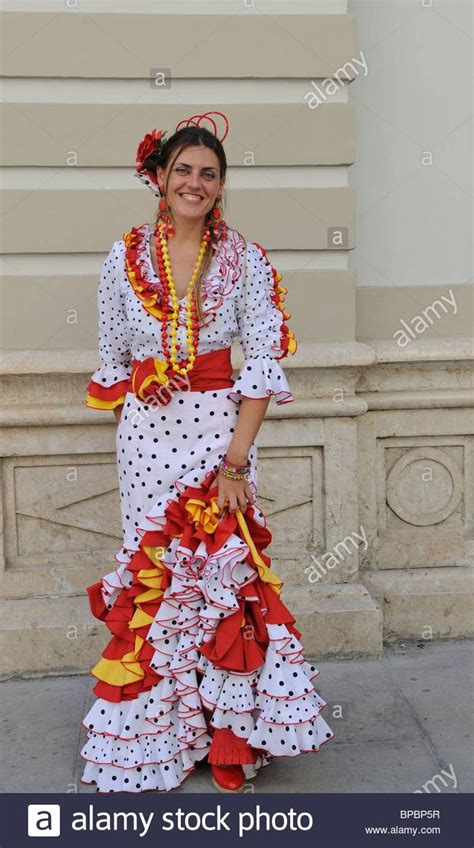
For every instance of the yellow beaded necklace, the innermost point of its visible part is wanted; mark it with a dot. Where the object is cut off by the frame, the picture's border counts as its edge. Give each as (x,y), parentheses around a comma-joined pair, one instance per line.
(192,323)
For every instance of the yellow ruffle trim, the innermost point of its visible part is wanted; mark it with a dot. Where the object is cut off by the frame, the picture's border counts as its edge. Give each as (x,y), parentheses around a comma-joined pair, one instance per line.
(120,672)
(97,403)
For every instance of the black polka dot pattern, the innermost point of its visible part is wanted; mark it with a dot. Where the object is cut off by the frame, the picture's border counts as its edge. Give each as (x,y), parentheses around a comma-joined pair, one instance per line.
(154,740)
(260,331)
(115,334)
(237,302)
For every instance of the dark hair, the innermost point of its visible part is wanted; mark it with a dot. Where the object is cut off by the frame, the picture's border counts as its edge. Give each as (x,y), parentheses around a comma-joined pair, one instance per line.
(191,136)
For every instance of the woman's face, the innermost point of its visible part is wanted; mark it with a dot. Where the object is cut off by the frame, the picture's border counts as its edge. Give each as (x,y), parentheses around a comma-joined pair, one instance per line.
(193,182)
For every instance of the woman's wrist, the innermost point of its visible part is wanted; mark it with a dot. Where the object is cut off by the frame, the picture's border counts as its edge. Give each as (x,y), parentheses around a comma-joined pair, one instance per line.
(237,455)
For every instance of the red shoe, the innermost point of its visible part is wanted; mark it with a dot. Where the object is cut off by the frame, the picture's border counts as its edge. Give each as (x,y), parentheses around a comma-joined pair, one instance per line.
(228,778)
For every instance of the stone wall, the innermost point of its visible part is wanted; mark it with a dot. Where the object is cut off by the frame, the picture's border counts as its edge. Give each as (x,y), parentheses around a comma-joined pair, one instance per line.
(367,478)
(366,481)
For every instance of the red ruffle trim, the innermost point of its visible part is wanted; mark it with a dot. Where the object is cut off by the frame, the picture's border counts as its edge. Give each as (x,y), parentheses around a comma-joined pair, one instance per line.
(228,749)
(108,392)
(243,649)
(136,270)
(233,647)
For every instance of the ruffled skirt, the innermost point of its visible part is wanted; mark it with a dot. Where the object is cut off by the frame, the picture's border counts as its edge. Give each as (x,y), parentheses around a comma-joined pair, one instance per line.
(205,660)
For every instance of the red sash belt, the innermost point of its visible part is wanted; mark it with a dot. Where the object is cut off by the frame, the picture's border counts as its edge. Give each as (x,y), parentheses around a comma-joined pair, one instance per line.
(152,378)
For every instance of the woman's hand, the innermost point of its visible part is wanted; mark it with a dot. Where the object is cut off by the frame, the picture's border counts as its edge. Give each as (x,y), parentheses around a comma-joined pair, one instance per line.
(237,492)
(118,412)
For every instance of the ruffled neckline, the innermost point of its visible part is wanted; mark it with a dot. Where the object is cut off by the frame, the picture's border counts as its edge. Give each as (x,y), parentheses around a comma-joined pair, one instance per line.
(224,272)
(147,252)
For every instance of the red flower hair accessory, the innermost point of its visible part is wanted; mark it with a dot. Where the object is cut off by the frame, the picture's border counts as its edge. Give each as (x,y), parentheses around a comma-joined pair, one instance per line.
(148,152)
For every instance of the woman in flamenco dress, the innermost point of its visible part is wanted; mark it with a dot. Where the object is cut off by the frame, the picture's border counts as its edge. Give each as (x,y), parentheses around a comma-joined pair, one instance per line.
(205,659)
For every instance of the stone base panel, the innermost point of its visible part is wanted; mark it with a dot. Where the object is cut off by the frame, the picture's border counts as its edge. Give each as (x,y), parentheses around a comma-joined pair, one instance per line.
(366,480)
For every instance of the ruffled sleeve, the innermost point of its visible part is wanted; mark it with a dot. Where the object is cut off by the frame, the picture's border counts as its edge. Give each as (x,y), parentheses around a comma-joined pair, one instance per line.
(263,333)
(108,385)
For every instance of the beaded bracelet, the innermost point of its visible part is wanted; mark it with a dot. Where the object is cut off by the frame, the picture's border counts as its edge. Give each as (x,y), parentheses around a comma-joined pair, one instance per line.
(231,466)
(233,471)
(231,476)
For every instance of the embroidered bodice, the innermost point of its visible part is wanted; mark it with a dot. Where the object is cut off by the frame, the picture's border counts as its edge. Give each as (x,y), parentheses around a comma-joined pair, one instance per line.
(241,298)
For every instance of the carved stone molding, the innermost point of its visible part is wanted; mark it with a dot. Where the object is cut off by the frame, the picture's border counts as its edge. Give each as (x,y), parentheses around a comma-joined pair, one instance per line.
(60,510)
(293,512)
(407,484)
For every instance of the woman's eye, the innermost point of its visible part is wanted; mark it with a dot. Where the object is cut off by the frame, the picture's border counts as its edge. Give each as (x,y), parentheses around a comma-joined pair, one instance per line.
(208,175)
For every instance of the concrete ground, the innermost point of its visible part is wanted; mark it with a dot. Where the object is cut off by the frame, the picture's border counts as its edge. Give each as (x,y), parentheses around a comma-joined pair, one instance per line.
(400,722)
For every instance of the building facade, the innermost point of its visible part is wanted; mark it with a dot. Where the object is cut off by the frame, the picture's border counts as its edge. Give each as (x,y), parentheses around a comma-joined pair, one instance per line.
(349,161)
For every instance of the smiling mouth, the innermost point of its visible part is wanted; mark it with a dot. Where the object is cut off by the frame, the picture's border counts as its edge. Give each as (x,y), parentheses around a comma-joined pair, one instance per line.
(191,198)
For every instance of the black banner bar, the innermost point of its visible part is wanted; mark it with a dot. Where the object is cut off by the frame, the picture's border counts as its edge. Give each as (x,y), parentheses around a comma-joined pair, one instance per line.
(124,820)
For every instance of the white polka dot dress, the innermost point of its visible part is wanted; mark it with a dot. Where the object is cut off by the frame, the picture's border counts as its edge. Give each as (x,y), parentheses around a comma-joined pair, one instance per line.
(204,657)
